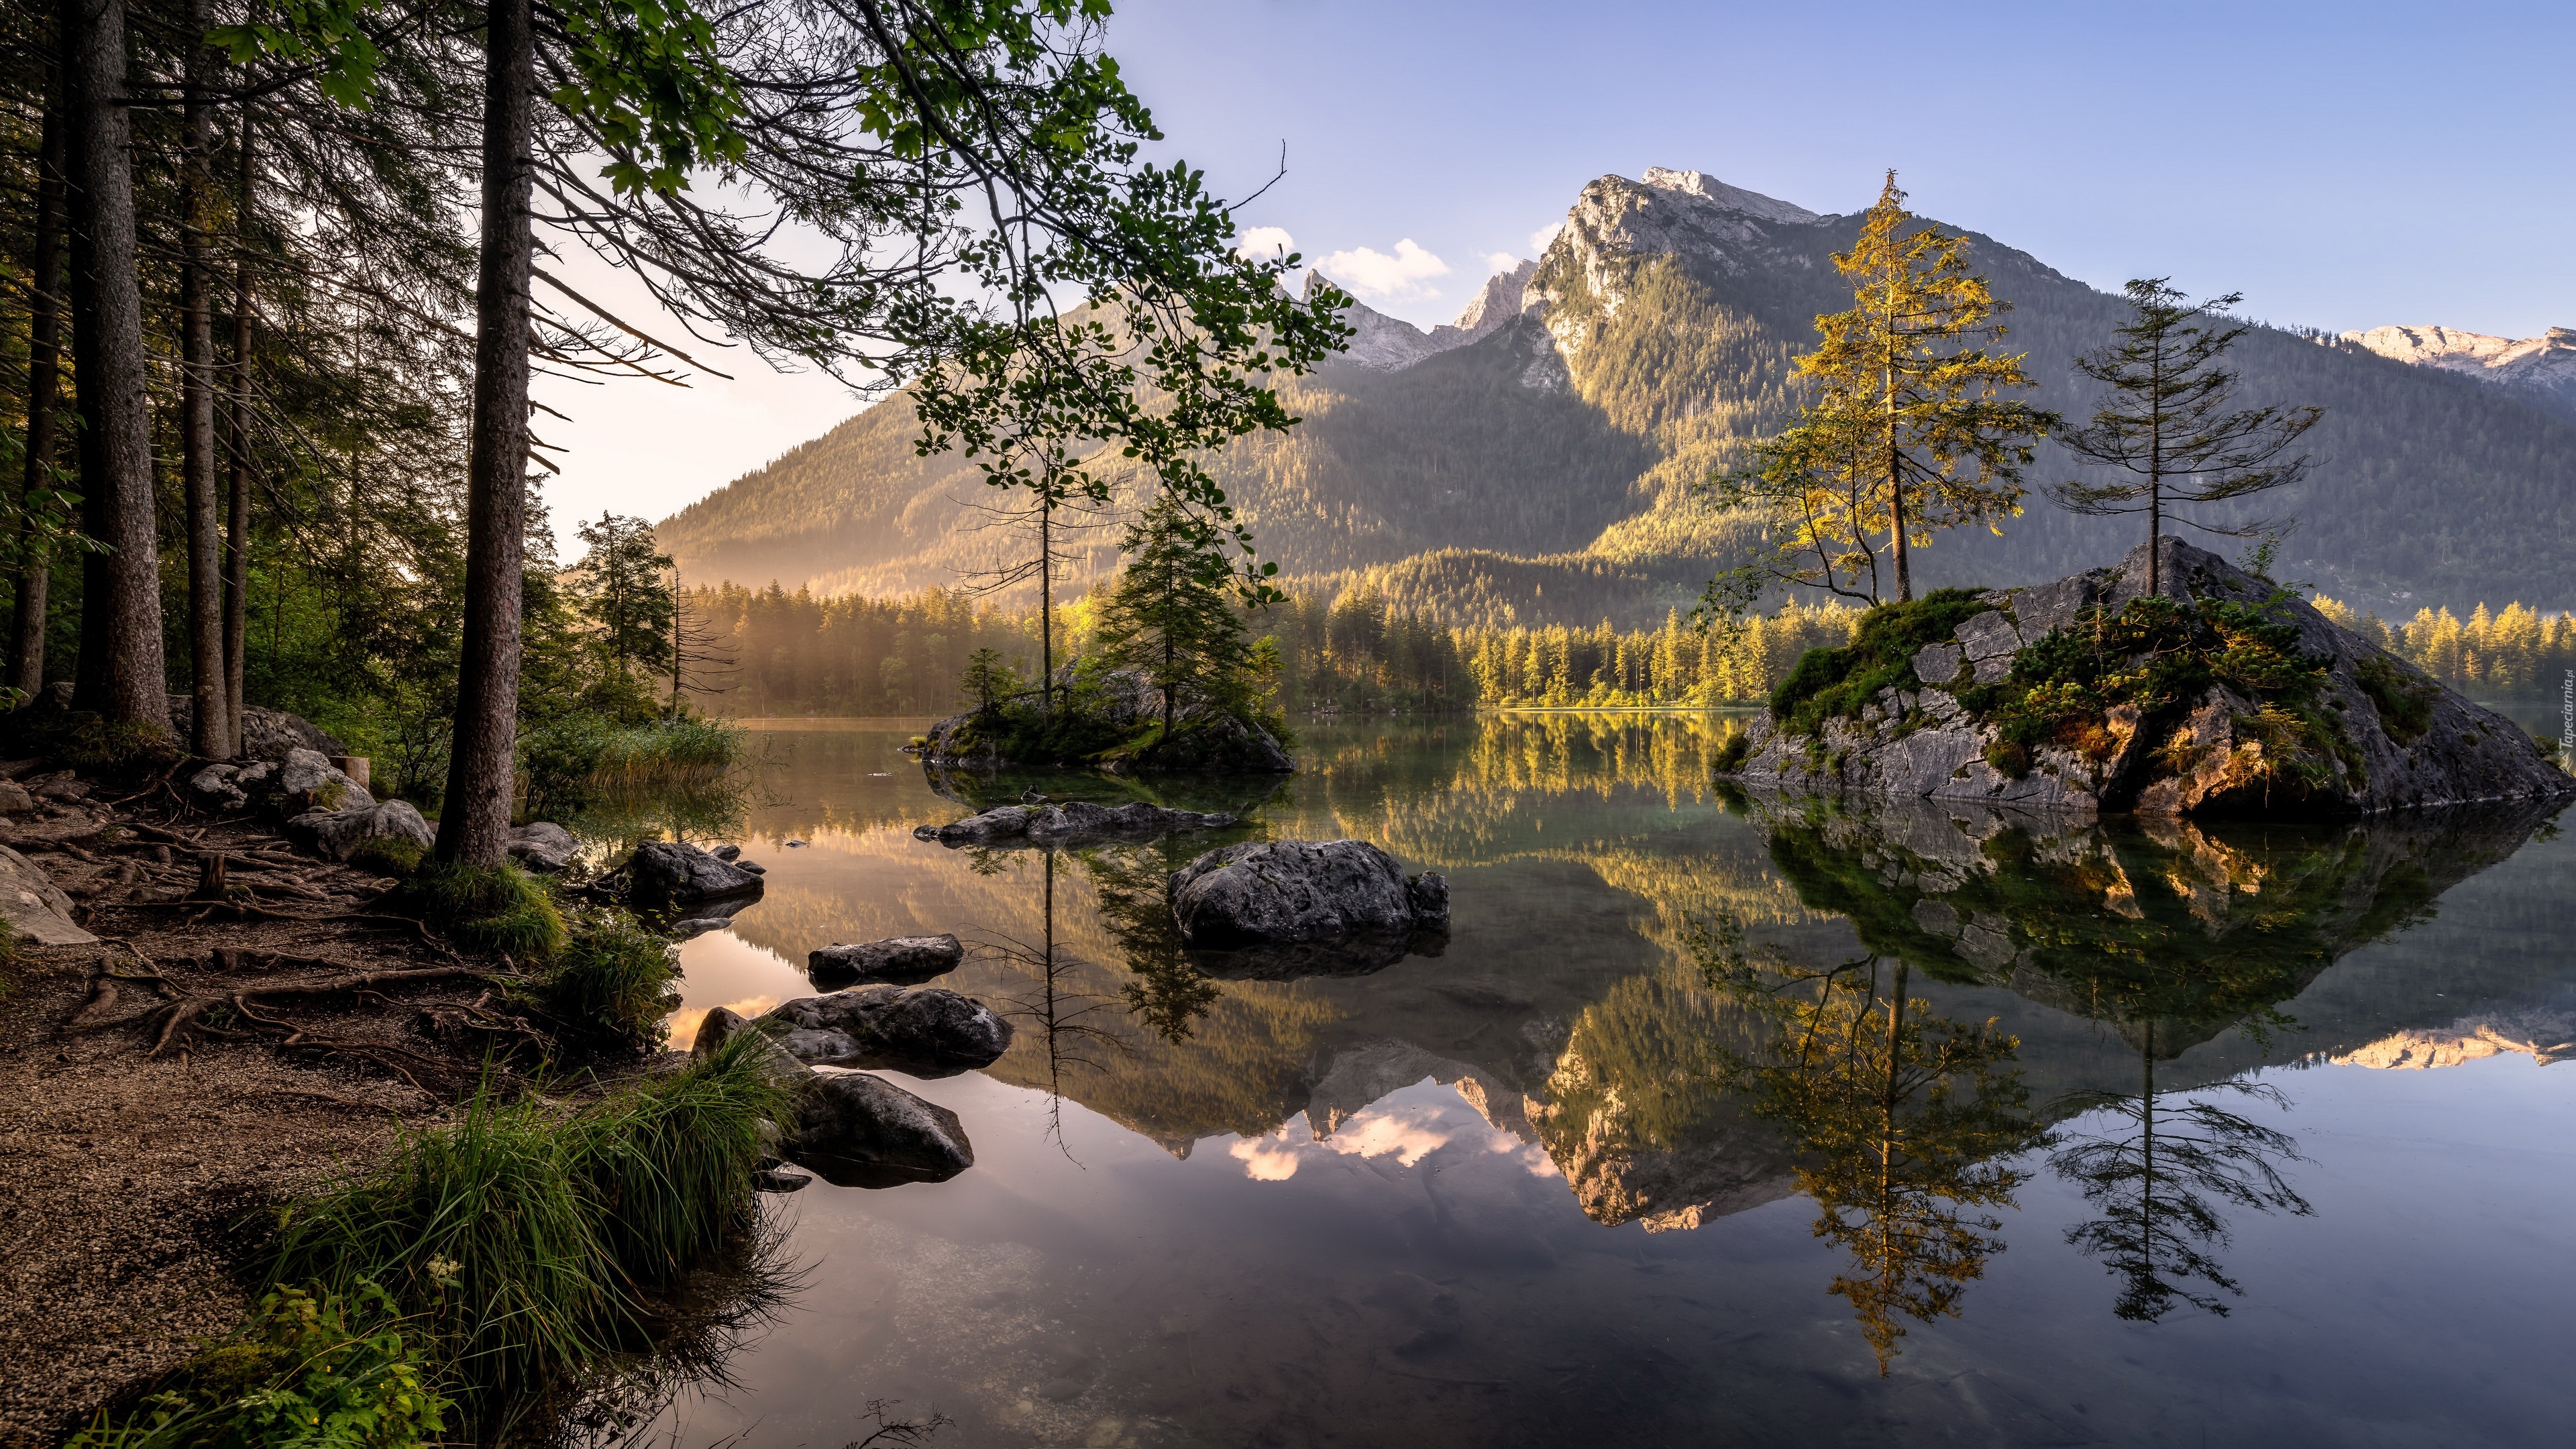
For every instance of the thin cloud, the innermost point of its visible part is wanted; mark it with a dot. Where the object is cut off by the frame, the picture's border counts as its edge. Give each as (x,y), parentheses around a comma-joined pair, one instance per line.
(1540,238)
(1372,273)
(1500,262)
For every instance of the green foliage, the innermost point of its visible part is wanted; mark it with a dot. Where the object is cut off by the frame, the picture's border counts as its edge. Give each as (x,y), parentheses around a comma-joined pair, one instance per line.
(1171,614)
(612,987)
(2404,698)
(519,1239)
(651,85)
(387,856)
(498,909)
(624,597)
(2156,653)
(579,758)
(989,679)
(312,1368)
(1835,683)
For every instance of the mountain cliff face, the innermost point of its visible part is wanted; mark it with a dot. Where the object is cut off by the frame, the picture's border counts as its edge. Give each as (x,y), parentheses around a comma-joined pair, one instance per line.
(2543,368)
(1539,459)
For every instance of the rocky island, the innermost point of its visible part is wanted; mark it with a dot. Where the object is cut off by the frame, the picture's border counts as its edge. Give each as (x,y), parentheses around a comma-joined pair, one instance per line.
(2221,693)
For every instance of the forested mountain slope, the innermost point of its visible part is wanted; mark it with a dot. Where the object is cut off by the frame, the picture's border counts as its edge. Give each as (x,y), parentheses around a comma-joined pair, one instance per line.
(1540,470)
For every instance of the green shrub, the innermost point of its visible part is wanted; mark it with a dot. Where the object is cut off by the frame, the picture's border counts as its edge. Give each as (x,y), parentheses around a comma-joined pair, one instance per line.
(580,756)
(1732,755)
(1835,683)
(612,986)
(2403,697)
(500,908)
(309,1370)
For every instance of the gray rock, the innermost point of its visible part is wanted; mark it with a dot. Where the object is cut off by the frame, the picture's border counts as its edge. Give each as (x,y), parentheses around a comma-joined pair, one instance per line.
(855,1130)
(255,775)
(34,907)
(308,780)
(267,734)
(1290,891)
(2197,756)
(697,926)
(14,799)
(727,852)
(774,1179)
(723,1023)
(214,789)
(1429,894)
(898,958)
(337,834)
(925,1032)
(542,845)
(1937,663)
(666,873)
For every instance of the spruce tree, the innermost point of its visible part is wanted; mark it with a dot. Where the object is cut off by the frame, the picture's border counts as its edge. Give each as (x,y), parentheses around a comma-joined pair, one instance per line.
(2168,422)
(1908,432)
(1172,612)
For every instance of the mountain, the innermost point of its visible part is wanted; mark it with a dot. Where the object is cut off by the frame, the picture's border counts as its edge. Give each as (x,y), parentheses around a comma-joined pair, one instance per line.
(2542,368)
(1535,461)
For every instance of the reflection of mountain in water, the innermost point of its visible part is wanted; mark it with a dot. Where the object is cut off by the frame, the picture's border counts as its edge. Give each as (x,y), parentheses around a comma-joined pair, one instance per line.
(1567,1009)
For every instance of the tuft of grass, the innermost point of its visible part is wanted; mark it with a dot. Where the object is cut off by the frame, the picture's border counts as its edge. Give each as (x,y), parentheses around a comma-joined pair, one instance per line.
(501,908)
(612,986)
(581,757)
(523,1238)
(2404,698)
(310,1369)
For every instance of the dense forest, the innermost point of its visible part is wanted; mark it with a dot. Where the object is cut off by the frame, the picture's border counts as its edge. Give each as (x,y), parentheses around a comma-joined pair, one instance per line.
(770,652)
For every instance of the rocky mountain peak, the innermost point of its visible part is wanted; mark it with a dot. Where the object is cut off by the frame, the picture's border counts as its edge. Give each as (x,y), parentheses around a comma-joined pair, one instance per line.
(1506,296)
(1732,198)
(2544,366)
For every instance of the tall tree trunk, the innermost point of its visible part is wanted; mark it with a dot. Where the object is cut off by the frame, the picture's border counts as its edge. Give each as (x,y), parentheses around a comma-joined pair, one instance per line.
(121,671)
(44,388)
(237,525)
(210,727)
(1046,598)
(474,828)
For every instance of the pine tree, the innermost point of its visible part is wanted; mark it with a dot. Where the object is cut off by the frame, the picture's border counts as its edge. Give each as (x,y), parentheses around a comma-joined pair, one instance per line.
(1907,433)
(2168,423)
(1173,613)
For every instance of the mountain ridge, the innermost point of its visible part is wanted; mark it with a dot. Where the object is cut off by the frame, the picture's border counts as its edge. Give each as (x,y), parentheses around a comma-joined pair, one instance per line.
(1558,429)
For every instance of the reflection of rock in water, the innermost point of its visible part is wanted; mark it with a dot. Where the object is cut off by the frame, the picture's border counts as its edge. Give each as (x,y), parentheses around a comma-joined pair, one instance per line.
(2193,926)
(1636,1121)
(2547,1036)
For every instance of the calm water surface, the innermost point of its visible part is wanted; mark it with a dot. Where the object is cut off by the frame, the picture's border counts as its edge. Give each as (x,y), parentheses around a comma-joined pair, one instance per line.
(2182,1135)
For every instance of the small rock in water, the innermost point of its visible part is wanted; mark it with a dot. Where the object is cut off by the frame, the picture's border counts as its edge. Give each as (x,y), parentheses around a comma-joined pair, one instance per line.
(727,852)
(794,844)
(670,874)
(1288,891)
(900,958)
(773,1179)
(855,1130)
(926,1032)
(698,926)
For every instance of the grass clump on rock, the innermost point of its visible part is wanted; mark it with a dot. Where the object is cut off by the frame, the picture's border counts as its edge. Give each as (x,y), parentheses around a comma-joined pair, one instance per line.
(489,908)
(1834,683)
(522,1239)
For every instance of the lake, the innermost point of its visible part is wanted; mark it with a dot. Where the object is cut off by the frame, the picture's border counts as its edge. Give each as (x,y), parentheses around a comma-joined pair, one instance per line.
(1715,1120)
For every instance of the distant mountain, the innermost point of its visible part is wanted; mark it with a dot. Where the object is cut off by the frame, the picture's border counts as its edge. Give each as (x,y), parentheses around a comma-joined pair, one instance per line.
(2541,368)
(1535,461)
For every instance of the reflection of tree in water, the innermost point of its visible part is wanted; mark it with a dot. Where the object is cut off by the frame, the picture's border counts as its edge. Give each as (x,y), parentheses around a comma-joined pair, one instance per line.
(1899,1118)
(2158,1177)
(1061,1016)
(1167,994)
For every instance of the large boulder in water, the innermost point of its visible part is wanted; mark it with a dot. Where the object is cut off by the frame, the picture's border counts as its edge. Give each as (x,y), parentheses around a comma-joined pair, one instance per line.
(666,873)
(925,1032)
(856,1130)
(1071,825)
(1280,892)
(897,958)
(2330,724)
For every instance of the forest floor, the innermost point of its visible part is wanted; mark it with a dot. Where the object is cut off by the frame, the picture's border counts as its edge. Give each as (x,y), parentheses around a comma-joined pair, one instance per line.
(162,1090)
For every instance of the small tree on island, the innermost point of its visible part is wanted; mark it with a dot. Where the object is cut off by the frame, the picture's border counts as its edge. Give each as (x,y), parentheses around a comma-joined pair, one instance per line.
(989,680)
(1907,433)
(1172,611)
(2168,421)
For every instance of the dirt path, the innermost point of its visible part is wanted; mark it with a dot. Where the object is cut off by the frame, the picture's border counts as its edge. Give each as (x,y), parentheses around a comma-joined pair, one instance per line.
(160,1091)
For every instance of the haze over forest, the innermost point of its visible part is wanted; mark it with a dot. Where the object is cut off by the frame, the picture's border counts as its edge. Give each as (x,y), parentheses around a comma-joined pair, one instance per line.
(1535,462)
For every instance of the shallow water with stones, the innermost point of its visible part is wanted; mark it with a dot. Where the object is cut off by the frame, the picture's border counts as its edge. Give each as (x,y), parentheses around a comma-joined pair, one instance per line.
(2222,1133)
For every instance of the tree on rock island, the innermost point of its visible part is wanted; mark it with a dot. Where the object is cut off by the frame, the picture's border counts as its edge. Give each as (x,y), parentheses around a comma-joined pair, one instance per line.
(1909,431)
(2168,425)
(1172,612)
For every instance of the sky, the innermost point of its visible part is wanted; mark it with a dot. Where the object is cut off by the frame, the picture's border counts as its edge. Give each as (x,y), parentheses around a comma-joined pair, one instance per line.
(2344,166)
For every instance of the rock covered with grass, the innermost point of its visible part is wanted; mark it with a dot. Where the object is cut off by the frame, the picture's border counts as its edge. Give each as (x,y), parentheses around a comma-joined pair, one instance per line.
(1285,892)
(898,959)
(2220,692)
(1070,825)
(393,827)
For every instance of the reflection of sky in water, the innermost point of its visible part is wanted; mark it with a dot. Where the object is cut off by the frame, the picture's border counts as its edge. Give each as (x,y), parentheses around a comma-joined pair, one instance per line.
(1421,1207)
